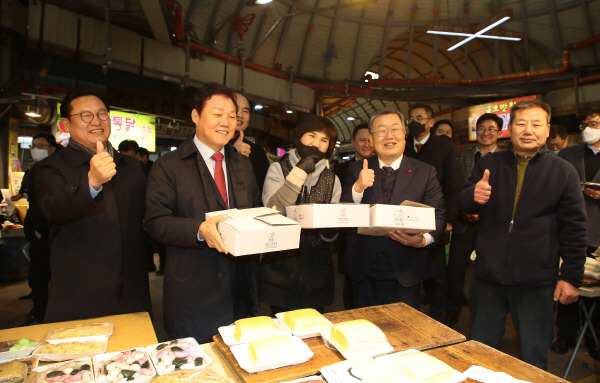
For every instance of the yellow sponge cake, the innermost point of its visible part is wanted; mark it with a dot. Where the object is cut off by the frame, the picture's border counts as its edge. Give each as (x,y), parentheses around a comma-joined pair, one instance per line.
(272,350)
(248,329)
(357,335)
(305,321)
(424,367)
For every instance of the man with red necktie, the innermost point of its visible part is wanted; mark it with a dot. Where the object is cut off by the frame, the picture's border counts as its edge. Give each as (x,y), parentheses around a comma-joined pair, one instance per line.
(204,286)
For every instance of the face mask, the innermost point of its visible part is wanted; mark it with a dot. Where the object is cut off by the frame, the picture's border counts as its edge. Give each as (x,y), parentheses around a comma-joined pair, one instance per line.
(415,128)
(304,151)
(555,152)
(590,136)
(39,154)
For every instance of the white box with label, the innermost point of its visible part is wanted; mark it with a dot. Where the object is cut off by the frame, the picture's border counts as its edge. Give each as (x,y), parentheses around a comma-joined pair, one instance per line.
(256,231)
(313,216)
(411,217)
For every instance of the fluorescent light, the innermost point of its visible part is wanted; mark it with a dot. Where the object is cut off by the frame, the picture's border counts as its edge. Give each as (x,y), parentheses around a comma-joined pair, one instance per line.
(350,118)
(258,107)
(289,111)
(260,2)
(478,33)
(33,112)
(469,34)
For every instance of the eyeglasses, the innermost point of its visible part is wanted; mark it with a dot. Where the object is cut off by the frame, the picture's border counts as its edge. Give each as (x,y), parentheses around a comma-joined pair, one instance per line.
(419,119)
(383,132)
(591,124)
(89,116)
(486,130)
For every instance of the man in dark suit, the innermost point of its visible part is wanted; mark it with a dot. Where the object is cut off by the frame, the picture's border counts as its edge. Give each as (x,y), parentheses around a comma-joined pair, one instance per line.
(585,158)
(363,148)
(256,153)
(391,268)
(440,153)
(464,231)
(87,193)
(204,286)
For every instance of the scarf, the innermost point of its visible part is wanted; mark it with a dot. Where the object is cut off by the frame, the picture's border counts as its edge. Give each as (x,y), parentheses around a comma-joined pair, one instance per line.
(77,146)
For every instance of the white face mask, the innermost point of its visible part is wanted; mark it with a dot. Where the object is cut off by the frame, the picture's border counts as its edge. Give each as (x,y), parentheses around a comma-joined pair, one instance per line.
(590,136)
(39,154)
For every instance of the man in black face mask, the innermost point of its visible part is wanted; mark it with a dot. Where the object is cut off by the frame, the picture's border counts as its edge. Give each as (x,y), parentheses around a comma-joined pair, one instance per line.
(441,154)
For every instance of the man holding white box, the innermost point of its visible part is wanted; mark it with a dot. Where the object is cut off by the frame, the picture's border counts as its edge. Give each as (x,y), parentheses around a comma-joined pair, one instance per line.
(204,287)
(388,269)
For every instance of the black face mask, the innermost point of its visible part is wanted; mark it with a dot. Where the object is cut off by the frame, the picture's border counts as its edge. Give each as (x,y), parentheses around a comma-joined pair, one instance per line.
(305,151)
(415,128)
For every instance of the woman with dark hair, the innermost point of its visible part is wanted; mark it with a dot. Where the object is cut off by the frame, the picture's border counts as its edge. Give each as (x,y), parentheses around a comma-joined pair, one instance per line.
(303,277)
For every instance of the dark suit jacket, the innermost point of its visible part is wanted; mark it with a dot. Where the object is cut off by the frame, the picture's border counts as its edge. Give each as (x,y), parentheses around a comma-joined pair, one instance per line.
(417,182)
(440,153)
(202,287)
(97,254)
(576,155)
(260,162)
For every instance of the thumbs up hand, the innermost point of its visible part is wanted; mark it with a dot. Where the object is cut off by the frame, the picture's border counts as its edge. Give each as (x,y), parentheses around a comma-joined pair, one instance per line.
(241,146)
(365,178)
(483,190)
(102,167)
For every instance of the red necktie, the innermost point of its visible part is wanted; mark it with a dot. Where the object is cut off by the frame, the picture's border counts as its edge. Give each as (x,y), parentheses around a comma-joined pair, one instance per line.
(220,176)
(418,147)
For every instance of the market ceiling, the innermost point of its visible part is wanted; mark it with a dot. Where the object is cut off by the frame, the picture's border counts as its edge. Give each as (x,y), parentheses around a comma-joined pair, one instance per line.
(333,43)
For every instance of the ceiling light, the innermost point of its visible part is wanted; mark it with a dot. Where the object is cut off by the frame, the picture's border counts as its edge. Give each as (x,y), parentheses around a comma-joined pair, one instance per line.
(479,33)
(33,112)
(350,118)
(258,107)
(289,111)
(261,2)
(494,37)
(173,148)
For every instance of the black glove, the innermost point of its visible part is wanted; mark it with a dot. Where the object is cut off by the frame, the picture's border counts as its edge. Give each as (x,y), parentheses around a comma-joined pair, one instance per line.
(308,163)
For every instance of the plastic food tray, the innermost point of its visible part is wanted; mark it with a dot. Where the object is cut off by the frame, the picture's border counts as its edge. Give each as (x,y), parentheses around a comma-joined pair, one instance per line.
(67,356)
(101,360)
(58,366)
(302,335)
(228,331)
(151,350)
(89,338)
(383,348)
(23,353)
(242,355)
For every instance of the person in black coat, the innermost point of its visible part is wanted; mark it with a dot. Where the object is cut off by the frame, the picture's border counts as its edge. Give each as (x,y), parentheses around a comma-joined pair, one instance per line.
(256,153)
(388,269)
(204,286)
(87,193)
(440,153)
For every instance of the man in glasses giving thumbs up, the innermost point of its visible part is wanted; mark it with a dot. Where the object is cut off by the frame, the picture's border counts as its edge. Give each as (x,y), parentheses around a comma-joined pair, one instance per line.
(531,214)
(90,195)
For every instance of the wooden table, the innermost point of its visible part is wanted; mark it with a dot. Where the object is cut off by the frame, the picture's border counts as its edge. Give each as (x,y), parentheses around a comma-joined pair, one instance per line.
(464,355)
(129,331)
(404,327)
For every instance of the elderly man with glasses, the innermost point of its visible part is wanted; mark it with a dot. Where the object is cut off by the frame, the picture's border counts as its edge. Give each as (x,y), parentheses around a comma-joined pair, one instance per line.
(89,193)
(388,269)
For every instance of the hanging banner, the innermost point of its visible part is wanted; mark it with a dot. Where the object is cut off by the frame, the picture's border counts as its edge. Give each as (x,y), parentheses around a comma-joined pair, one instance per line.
(501,108)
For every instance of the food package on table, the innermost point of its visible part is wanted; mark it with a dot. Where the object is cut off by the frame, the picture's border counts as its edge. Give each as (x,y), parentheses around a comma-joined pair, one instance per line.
(192,376)
(73,371)
(13,372)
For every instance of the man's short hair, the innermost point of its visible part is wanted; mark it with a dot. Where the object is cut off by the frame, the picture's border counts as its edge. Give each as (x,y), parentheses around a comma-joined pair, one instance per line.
(209,90)
(359,127)
(528,104)
(383,112)
(314,123)
(591,112)
(46,136)
(420,105)
(66,108)
(128,145)
(557,130)
(143,152)
(440,122)
(490,116)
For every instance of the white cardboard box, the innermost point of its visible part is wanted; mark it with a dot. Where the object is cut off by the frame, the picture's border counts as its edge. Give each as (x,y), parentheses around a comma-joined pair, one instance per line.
(256,231)
(411,217)
(330,215)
